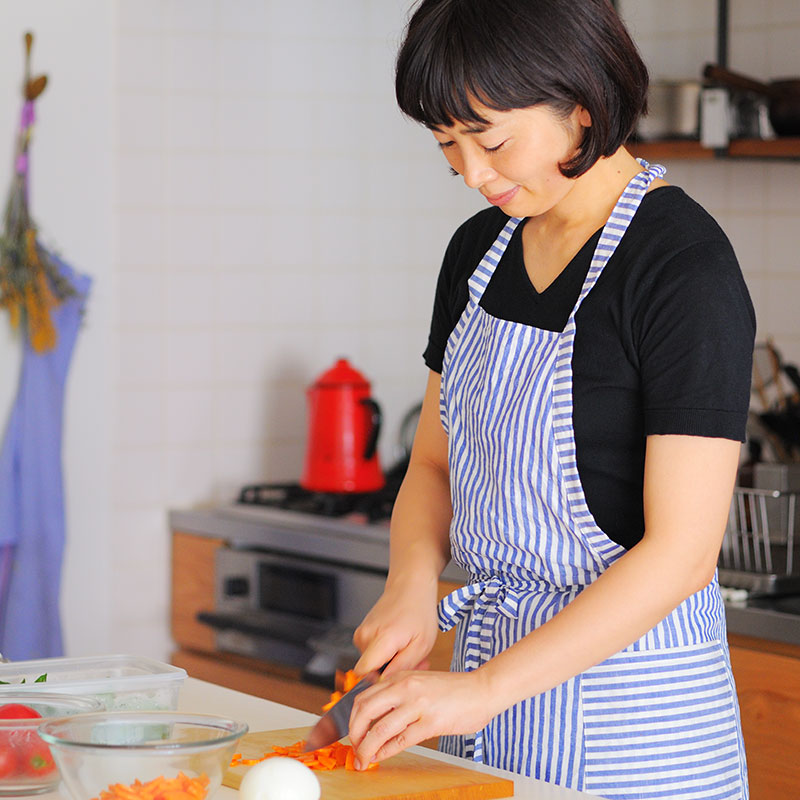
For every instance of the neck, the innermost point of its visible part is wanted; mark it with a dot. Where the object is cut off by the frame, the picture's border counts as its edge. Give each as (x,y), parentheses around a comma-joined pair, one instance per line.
(594,194)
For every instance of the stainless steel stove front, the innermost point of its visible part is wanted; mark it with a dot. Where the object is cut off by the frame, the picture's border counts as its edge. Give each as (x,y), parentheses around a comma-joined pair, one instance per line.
(290,609)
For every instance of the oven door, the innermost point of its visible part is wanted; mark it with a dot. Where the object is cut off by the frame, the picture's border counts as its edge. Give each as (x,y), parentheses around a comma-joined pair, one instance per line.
(290,611)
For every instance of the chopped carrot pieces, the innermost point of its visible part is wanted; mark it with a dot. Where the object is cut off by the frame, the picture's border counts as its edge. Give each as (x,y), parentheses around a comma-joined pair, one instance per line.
(181,787)
(325,758)
(350,680)
(335,698)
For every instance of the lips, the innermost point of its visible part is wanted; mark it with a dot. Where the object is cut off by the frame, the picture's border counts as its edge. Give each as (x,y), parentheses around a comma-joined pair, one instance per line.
(502,199)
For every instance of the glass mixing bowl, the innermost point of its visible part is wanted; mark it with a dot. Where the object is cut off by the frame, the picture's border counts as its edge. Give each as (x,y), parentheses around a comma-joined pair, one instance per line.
(117,751)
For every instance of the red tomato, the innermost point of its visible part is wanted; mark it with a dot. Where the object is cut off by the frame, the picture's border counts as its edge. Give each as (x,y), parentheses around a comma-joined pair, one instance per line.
(8,763)
(18,711)
(36,759)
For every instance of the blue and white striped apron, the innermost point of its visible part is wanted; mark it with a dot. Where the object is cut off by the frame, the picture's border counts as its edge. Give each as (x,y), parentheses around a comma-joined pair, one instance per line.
(659,719)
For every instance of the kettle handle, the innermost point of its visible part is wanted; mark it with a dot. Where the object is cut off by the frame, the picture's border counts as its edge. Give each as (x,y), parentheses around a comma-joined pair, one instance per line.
(372,439)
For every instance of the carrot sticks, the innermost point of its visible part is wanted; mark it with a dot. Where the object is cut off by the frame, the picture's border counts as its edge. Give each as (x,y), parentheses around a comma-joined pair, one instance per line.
(182,787)
(325,758)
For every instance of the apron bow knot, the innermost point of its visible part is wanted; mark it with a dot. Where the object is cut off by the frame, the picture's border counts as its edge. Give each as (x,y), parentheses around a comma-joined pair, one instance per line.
(478,596)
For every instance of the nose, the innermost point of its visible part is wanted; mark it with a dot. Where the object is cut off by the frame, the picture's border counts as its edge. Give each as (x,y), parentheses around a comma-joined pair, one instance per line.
(477,171)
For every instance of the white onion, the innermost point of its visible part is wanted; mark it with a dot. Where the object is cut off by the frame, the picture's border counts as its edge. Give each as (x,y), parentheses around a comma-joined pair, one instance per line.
(279,779)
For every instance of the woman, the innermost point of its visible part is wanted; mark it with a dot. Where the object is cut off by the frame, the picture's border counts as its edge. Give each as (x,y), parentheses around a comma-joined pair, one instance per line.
(589,361)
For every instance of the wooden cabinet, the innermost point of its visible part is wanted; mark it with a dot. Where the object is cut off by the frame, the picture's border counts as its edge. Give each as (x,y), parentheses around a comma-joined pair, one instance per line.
(767,678)
(192,589)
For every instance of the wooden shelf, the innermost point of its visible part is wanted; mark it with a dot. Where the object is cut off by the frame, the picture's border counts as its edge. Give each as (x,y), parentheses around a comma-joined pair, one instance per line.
(690,149)
(785,147)
(670,149)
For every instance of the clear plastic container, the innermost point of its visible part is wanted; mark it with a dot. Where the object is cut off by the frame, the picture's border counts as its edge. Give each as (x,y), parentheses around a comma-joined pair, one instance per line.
(119,682)
(26,763)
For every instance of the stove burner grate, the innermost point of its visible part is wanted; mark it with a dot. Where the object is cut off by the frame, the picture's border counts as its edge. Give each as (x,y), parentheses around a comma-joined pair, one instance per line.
(374,506)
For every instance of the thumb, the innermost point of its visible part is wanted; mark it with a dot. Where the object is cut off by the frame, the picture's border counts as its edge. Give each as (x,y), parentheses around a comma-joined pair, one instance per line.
(375,656)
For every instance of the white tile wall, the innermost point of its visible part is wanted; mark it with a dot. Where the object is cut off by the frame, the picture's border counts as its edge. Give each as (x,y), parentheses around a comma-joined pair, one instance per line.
(253,206)
(273,210)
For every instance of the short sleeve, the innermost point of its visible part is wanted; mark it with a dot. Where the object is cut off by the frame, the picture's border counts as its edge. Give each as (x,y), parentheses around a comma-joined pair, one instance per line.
(452,290)
(441,318)
(696,331)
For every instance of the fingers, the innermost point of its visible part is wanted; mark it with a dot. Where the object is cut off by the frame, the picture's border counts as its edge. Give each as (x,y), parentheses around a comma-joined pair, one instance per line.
(412,734)
(364,714)
(404,709)
(396,725)
(378,652)
(396,654)
(407,658)
(364,634)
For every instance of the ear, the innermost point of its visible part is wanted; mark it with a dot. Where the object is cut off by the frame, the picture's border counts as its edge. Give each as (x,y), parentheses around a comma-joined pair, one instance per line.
(584,117)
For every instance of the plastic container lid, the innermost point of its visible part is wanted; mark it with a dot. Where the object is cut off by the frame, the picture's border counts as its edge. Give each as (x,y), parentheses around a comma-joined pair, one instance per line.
(88,674)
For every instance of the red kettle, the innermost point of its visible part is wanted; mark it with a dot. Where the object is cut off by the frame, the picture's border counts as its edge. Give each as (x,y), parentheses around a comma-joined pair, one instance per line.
(344,424)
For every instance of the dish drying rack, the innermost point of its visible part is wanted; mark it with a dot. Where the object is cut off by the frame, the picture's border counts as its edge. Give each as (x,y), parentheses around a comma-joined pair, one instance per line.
(760,548)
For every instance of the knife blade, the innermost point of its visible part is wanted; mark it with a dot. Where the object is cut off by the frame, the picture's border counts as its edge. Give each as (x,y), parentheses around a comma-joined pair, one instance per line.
(335,722)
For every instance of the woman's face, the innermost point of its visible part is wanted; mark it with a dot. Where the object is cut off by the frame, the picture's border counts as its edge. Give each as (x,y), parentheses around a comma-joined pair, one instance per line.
(514,160)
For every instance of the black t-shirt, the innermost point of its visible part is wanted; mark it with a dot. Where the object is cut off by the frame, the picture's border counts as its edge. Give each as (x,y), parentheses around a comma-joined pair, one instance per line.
(663,343)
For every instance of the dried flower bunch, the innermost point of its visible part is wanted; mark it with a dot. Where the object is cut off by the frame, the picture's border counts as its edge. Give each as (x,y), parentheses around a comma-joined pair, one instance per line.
(31,285)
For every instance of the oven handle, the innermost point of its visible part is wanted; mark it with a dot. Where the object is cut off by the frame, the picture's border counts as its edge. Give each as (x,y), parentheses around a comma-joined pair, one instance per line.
(225,622)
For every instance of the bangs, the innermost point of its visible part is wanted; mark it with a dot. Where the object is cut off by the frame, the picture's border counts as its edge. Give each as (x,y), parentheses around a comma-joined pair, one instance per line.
(440,95)
(436,76)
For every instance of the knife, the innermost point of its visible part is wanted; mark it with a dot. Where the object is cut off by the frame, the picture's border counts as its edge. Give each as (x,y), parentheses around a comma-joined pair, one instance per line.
(335,722)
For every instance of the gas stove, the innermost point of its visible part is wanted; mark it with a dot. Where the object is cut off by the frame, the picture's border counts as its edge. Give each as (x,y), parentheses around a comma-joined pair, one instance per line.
(370,507)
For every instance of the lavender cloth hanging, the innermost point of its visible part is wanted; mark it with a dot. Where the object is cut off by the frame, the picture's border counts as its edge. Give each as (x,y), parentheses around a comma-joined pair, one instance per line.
(32,523)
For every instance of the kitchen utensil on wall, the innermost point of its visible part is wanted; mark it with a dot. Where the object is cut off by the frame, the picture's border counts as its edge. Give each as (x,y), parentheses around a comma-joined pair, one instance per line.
(783,95)
(343,430)
(775,386)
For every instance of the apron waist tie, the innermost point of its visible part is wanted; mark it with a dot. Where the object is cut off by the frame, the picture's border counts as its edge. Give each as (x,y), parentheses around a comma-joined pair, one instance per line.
(476,597)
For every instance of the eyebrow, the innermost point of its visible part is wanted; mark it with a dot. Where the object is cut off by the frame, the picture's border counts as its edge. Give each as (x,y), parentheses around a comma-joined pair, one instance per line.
(472,129)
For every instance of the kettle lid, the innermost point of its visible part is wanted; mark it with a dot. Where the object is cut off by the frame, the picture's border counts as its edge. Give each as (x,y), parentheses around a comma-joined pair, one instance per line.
(342,373)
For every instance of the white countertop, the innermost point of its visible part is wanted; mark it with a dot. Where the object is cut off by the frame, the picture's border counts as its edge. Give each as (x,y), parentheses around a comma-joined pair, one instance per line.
(262,715)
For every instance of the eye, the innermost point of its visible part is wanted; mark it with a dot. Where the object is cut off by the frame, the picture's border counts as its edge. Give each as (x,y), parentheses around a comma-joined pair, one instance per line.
(496,148)
(454,173)
(445,145)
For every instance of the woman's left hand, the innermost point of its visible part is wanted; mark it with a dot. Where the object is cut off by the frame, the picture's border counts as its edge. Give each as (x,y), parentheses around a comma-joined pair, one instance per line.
(405,708)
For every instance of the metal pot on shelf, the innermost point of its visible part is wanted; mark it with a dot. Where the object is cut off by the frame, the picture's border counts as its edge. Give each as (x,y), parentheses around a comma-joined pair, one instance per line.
(782,95)
(673,111)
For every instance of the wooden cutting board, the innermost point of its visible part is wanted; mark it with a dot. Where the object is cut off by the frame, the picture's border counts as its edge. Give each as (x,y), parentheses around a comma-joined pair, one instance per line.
(406,776)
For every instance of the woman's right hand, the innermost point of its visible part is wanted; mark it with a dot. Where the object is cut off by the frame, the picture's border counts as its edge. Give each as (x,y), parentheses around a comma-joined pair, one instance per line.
(400,629)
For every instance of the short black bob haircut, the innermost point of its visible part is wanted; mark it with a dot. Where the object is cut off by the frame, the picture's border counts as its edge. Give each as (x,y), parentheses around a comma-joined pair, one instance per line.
(508,54)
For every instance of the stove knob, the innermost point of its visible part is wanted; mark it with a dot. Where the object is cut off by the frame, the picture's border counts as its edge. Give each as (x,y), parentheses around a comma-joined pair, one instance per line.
(236,587)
